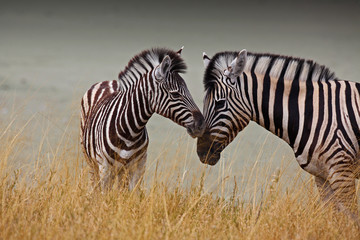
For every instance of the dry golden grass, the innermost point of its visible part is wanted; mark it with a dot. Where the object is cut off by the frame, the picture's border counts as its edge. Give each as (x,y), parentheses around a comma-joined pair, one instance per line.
(50,200)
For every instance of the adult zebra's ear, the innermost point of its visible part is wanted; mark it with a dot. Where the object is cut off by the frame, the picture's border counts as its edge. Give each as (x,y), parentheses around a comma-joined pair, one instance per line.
(237,65)
(163,68)
(206,60)
(180,50)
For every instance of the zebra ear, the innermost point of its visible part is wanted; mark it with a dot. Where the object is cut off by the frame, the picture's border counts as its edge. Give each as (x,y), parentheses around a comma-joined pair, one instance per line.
(180,50)
(206,60)
(163,68)
(238,64)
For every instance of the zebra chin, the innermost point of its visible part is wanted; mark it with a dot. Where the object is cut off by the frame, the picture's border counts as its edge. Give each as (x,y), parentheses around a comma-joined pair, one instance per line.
(210,159)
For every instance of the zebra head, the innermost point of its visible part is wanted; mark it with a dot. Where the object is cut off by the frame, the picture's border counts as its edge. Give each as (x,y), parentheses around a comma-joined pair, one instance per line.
(171,97)
(224,111)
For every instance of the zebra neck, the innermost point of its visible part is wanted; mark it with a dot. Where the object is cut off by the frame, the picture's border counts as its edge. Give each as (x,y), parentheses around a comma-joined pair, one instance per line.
(276,103)
(137,109)
(285,104)
(278,87)
(277,65)
(131,78)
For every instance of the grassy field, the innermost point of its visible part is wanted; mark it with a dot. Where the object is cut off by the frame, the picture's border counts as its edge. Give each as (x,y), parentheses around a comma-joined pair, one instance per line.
(49,199)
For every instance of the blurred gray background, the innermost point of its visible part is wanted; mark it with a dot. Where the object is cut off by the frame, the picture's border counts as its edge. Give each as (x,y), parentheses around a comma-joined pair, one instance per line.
(52,52)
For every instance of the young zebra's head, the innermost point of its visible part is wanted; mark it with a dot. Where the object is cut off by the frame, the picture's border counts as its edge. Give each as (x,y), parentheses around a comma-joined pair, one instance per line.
(170,96)
(224,110)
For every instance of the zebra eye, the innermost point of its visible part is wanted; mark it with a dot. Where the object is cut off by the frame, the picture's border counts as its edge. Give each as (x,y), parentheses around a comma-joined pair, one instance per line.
(220,104)
(175,94)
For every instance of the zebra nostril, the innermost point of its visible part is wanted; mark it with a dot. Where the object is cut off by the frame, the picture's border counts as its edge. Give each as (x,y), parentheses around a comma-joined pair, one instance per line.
(199,123)
(190,132)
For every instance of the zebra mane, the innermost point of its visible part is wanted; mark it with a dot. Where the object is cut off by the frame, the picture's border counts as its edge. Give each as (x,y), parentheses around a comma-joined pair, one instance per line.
(259,63)
(148,60)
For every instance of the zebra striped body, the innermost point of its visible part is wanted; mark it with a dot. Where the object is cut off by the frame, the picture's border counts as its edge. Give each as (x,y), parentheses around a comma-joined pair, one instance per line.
(114,114)
(297,100)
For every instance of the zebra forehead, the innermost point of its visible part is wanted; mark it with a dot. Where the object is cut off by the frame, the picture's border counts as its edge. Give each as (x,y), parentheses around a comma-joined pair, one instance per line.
(222,60)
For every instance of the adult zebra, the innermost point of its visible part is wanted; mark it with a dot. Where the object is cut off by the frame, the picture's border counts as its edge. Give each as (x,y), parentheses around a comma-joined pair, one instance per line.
(114,114)
(298,100)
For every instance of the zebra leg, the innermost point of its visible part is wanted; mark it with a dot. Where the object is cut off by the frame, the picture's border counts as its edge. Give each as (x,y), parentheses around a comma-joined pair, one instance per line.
(105,176)
(136,172)
(94,179)
(122,173)
(325,190)
(342,182)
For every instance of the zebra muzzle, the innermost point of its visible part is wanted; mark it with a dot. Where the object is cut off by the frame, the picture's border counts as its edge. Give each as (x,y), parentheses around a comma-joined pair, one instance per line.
(197,129)
(208,150)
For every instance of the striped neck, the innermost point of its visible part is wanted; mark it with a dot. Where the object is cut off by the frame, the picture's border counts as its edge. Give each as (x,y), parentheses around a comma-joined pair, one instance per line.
(281,92)
(137,107)
(259,64)
(276,65)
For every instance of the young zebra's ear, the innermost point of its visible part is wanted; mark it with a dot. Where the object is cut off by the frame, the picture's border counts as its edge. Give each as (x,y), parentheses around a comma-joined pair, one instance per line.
(163,68)
(206,60)
(238,64)
(180,50)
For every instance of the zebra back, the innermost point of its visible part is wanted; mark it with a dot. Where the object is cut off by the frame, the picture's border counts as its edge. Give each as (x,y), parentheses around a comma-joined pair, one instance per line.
(93,97)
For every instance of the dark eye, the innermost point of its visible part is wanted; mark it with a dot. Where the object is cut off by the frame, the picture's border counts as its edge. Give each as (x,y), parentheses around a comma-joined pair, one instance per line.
(220,104)
(175,94)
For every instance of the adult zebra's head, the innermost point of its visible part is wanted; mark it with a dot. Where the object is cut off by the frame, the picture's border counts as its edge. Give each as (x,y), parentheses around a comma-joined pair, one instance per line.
(170,95)
(224,110)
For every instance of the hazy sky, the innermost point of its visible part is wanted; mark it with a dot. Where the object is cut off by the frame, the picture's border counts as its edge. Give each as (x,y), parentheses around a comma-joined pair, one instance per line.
(62,43)
(211,25)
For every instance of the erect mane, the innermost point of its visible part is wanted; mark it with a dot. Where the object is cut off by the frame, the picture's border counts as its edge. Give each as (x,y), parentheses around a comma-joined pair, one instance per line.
(148,60)
(222,60)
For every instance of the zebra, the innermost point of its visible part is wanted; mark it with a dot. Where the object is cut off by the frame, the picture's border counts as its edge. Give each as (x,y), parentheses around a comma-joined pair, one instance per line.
(299,101)
(114,114)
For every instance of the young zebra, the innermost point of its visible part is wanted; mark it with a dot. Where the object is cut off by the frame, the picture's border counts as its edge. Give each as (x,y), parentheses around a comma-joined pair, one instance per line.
(114,114)
(299,101)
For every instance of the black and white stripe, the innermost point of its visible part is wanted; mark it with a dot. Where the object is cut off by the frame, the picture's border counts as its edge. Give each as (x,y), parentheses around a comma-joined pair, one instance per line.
(298,100)
(114,114)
